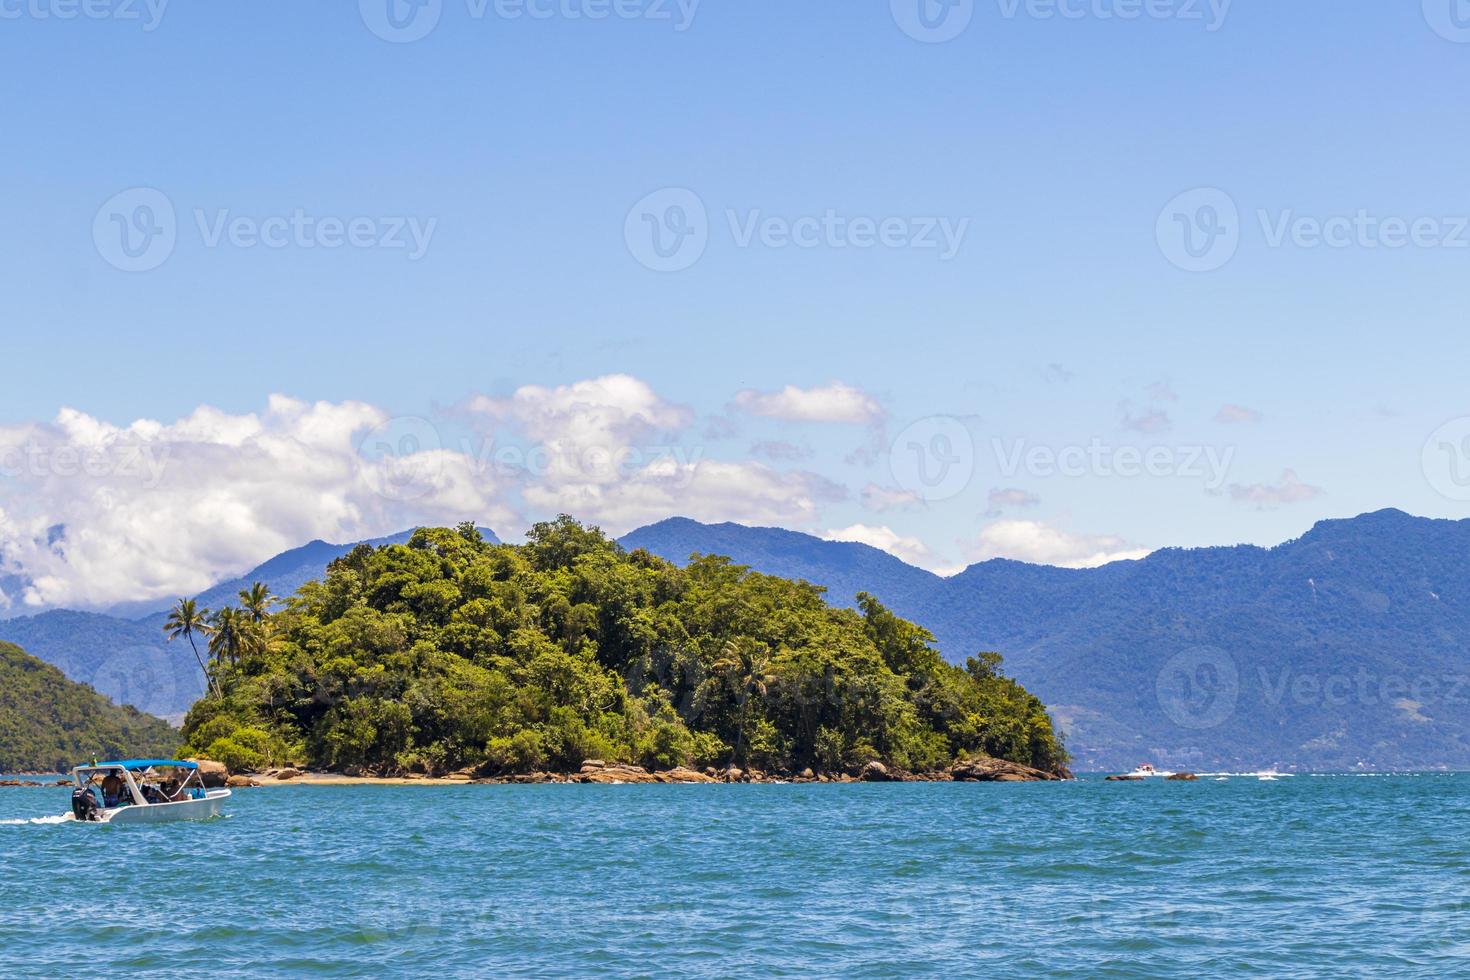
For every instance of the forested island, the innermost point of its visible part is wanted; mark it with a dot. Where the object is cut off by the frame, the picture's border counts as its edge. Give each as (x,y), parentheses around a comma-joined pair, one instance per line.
(452,654)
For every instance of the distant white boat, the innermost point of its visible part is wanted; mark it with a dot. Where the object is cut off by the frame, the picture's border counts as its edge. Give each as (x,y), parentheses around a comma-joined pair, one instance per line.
(1146,771)
(139,791)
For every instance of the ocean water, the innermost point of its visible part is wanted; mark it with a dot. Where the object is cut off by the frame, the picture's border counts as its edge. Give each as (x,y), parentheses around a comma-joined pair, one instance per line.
(1297,877)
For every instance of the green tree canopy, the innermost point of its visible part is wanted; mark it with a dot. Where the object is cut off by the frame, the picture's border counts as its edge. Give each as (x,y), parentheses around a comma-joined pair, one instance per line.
(449,652)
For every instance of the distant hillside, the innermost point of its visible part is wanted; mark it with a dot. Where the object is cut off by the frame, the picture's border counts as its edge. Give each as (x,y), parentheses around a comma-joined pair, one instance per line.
(844,567)
(48,723)
(129,662)
(1349,646)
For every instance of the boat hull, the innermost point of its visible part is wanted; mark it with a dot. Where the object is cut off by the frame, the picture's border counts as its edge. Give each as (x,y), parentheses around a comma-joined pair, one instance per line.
(169,812)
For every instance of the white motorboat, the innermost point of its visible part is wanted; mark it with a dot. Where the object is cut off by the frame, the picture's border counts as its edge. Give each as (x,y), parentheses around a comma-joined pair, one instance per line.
(143,791)
(1145,771)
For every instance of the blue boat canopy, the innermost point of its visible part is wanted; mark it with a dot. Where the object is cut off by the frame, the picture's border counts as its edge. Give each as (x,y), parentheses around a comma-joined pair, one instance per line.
(143,764)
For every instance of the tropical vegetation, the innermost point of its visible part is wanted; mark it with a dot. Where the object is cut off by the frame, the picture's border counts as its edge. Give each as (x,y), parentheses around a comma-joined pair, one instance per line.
(450,652)
(49,723)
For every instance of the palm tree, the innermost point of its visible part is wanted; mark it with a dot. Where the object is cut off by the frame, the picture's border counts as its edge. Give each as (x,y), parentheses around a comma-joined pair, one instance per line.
(229,626)
(186,619)
(746,662)
(256,601)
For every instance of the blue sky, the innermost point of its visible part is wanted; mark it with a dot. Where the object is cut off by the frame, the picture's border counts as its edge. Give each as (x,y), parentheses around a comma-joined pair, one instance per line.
(1317,376)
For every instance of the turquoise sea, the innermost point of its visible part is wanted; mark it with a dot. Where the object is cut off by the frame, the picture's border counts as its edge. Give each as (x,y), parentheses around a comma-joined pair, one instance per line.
(1298,877)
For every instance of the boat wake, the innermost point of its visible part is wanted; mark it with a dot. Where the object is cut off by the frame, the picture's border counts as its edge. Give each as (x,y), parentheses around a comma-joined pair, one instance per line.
(39,821)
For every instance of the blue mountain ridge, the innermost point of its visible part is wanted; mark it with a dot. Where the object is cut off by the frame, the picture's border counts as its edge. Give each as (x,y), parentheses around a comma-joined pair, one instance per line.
(1348,647)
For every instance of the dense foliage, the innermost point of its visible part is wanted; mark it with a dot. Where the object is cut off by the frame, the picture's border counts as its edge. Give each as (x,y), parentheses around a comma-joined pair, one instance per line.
(451,652)
(49,724)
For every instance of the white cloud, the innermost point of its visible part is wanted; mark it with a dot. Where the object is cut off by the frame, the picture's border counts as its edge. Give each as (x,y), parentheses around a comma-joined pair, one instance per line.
(836,402)
(1149,422)
(1237,415)
(1162,391)
(582,422)
(1042,544)
(1002,499)
(880,498)
(780,450)
(94,513)
(1265,496)
(884,538)
(609,453)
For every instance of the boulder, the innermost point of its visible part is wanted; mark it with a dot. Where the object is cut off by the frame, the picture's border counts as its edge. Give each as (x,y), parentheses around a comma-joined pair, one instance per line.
(211,773)
(240,782)
(983,769)
(807,774)
(734,774)
(1124,779)
(285,774)
(616,773)
(679,774)
(590,764)
(1182,777)
(875,772)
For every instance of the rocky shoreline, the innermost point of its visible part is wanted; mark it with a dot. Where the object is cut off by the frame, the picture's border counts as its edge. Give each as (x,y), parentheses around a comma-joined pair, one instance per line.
(975,770)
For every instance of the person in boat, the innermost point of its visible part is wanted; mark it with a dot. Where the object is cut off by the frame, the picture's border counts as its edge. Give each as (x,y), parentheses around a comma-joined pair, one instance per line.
(113,788)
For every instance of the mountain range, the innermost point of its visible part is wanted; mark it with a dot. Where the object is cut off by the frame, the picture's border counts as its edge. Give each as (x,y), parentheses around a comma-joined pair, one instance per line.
(1348,647)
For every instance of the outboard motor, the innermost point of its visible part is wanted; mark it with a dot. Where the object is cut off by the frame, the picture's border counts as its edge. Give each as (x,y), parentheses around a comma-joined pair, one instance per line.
(84,804)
